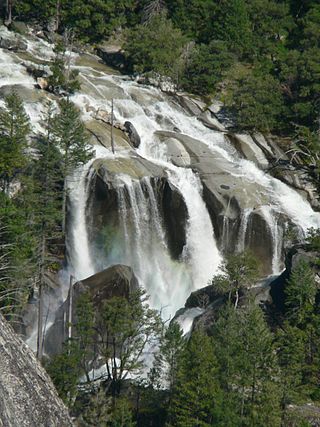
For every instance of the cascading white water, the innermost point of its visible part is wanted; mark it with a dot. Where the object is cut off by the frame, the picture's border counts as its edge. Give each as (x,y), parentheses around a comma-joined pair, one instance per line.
(79,263)
(243,229)
(149,110)
(146,250)
(201,250)
(276,234)
(144,246)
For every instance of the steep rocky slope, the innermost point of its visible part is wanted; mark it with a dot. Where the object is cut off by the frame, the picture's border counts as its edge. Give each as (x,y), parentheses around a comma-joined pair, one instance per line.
(27,395)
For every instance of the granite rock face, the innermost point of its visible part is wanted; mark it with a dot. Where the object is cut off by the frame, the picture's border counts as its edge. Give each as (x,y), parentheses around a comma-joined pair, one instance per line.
(28,397)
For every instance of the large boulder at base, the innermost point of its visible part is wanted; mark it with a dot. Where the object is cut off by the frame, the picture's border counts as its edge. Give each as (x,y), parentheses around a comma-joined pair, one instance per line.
(15,44)
(176,153)
(118,280)
(209,302)
(189,105)
(28,397)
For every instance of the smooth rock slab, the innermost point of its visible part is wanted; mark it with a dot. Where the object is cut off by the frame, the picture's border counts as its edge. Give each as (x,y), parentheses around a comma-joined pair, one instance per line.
(27,395)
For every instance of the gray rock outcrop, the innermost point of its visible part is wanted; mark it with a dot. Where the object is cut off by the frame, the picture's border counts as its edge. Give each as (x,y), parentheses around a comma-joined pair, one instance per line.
(28,397)
(118,280)
(133,134)
(104,198)
(227,195)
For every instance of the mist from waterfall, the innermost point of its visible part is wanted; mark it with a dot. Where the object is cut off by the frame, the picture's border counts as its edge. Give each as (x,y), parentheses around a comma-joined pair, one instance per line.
(144,247)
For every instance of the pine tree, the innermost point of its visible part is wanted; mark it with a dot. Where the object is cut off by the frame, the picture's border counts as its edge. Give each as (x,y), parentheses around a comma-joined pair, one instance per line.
(84,332)
(300,294)
(125,328)
(164,370)
(248,368)
(14,129)
(196,396)
(291,356)
(62,77)
(70,135)
(240,271)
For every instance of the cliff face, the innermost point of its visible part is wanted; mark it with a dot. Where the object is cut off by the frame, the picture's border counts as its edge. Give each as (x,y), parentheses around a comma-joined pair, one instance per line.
(27,395)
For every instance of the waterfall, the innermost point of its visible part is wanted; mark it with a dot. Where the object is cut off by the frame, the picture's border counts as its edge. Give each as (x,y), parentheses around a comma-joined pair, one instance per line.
(243,229)
(144,246)
(276,235)
(201,251)
(79,263)
(141,240)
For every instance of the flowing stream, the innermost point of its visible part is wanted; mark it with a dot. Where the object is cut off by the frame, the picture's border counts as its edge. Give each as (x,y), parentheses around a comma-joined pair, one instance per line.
(141,241)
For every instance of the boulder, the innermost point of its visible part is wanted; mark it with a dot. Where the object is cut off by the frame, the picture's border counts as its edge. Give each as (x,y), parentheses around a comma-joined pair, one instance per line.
(175,218)
(19,27)
(164,83)
(188,104)
(211,122)
(133,134)
(203,297)
(28,397)
(134,166)
(247,147)
(176,153)
(296,254)
(113,174)
(118,280)
(100,133)
(215,106)
(112,55)
(228,195)
(35,71)
(42,83)
(13,42)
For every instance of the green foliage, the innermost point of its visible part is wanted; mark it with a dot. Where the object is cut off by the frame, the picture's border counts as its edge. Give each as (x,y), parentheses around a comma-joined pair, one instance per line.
(206,66)
(84,332)
(165,365)
(196,396)
(232,25)
(14,129)
(239,271)
(70,136)
(62,78)
(125,327)
(313,239)
(291,357)
(122,414)
(90,20)
(257,101)
(194,17)
(64,371)
(101,411)
(300,294)
(248,368)
(156,47)
(270,23)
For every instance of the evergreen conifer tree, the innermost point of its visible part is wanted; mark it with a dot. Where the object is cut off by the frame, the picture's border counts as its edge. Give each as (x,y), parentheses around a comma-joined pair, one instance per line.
(14,129)
(196,399)
(70,135)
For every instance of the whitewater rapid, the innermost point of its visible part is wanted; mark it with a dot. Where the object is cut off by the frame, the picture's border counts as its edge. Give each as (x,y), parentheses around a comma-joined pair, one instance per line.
(142,239)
